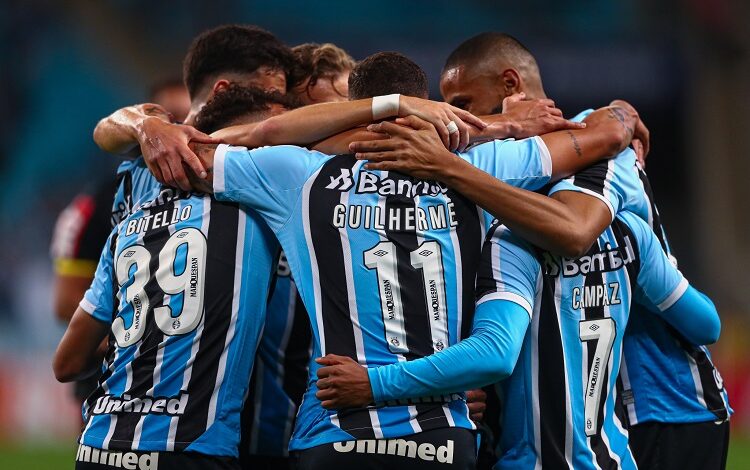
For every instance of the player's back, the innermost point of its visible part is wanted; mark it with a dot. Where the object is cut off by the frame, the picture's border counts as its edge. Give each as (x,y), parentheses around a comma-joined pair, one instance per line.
(384,263)
(560,399)
(185,289)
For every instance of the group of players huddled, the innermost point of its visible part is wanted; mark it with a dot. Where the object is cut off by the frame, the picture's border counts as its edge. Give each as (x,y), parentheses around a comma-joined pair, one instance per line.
(475,283)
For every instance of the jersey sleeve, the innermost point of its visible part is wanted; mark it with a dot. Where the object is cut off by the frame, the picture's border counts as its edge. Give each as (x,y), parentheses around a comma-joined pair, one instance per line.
(615,182)
(269,179)
(508,270)
(135,185)
(487,356)
(660,284)
(522,163)
(99,299)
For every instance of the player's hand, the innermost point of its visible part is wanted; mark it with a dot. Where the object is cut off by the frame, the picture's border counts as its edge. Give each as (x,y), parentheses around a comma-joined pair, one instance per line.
(641,142)
(439,115)
(165,149)
(535,117)
(414,147)
(477,402)
(342,383)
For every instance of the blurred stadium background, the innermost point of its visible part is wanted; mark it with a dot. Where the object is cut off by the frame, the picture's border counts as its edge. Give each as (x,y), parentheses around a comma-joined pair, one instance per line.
(65,64)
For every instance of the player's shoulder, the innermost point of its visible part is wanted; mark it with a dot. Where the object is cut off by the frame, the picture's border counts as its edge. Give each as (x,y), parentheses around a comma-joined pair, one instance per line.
(642,232)
(130,166)
(502,236)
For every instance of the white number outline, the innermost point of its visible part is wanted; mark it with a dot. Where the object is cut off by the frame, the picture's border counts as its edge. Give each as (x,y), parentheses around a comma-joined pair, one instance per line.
(191,313)
(428,258)
(603,331)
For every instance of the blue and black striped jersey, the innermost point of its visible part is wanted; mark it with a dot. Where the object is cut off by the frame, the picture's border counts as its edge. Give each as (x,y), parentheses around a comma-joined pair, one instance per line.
(184,281)
(384,263)
(559,409)
(280,368)
(672,381)
(280,371)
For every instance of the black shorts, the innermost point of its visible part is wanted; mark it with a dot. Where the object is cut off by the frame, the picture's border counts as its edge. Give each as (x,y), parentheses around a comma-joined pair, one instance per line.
(665,446)
(263,462)
(445,448)
(90,458)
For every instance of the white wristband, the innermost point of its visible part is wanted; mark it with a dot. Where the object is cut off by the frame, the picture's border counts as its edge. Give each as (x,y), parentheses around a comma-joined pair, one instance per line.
(385,106)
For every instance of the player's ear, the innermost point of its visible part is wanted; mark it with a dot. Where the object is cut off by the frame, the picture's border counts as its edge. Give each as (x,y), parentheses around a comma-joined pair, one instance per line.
(511,81)
(220,85)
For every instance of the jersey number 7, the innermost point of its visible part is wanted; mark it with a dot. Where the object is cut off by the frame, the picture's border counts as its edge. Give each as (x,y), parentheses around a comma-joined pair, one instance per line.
(603,331)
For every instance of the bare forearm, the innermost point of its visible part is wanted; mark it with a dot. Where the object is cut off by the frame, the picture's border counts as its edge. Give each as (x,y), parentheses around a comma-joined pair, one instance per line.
(541,220)
(608,132)
(301,126)
(119,132)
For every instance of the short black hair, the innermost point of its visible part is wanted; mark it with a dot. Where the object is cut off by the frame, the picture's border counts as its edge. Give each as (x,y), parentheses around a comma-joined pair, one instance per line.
(236,101)
(233,48)
(385,73)
(486,46)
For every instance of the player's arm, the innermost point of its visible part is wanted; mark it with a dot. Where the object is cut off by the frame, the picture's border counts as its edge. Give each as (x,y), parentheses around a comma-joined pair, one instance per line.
(147,129)
(81,347)
(80,351)
(485,357)
(506,287)
(73,260)
(523,118)
(565,225)
(309,124)
(662,289)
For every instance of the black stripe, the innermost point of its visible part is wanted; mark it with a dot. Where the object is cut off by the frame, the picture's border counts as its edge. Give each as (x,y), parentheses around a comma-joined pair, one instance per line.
(326,240)
(469,235)
(485,283)
(626,238)
(712,393)
(219,293)
(413,301)
(598,446)
(620,405)
(593,177)
(121,211)
(298,351)
(656,225)
(246,419)
(143,366)
(551,379)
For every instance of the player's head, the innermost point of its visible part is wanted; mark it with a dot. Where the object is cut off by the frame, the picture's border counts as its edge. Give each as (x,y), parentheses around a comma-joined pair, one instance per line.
(245,55)
(322,73)
(386,73)
(172,95)
(487,68)
(241,105)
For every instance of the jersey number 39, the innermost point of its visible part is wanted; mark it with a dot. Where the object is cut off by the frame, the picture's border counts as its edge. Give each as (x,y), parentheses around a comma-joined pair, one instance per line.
(190,245)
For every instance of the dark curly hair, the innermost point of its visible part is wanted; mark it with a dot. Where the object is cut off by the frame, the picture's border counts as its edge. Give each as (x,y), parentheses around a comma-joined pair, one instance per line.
(235,102)
(385,73)
(233,48)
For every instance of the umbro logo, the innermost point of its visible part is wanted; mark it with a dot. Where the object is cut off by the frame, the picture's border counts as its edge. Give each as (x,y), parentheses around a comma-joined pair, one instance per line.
(425,253)
(594,327)
(342,182)
(380,253)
